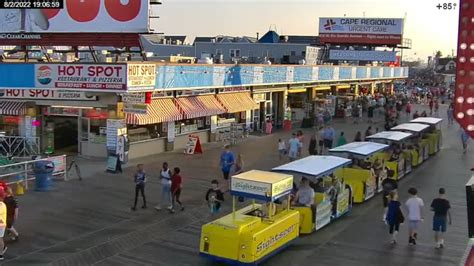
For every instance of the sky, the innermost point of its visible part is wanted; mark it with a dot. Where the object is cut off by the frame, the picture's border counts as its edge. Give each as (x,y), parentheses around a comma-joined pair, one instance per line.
(429,28)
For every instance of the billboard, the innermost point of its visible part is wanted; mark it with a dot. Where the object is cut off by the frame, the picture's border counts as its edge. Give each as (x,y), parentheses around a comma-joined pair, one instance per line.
(96,77)
(79,16)
(345,30)
(351,55)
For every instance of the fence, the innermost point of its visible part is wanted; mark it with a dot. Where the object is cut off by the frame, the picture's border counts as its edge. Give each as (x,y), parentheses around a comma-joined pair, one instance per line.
(23,171)
(19,146)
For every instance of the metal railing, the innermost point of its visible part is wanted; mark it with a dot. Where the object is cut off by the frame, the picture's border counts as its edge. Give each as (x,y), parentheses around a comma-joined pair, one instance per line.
(22,172)
(19,146)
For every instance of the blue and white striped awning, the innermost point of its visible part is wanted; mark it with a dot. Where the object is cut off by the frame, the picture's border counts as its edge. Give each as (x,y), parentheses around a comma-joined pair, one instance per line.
(12,108)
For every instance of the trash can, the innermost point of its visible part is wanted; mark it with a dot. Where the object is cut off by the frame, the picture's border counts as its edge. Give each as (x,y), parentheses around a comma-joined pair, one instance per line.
(43,171)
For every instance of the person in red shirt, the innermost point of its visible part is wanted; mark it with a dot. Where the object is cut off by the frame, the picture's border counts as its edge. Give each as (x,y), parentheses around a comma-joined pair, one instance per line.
(176,186)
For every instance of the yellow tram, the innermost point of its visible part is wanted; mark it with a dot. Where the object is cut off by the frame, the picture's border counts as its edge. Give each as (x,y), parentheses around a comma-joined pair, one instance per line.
(253,233)
(333,198)
(364,181)
(409,157)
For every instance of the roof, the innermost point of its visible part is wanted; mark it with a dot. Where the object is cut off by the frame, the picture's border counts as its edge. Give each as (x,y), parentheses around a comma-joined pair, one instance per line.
(262,176)
(302,39)
(204,39)
(360,148)
(270,37)
(174,39)
(427,120)
(446,60)
(413,127)
(390,135)
(316,166)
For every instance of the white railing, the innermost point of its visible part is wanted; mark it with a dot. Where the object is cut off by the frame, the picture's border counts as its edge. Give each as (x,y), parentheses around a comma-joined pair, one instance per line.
(22,172)
(19,146)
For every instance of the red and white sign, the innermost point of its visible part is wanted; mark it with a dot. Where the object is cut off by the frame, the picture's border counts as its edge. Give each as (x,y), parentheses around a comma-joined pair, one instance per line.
(89,77)
(46,95)
(79,16)
(361,30)
(194,145)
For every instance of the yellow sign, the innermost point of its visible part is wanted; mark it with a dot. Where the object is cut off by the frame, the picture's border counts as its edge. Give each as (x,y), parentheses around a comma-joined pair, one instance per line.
(282,186)
(141,75)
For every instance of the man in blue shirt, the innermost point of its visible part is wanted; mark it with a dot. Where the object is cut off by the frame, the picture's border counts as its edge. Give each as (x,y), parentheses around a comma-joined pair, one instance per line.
(329,135)
(227,160)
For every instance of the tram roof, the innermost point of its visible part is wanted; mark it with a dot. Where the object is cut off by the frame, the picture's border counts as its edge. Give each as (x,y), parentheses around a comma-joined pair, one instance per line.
(427,120)
(390,135)
(360,148)
(412,127)
(316,166)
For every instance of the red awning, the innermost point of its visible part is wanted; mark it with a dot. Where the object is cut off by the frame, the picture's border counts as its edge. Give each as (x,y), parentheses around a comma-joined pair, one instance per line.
(158,111)
(12,108)
(200,106)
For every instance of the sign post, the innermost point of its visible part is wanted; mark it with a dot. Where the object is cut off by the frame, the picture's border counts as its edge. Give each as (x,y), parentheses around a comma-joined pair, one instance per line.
(193,146)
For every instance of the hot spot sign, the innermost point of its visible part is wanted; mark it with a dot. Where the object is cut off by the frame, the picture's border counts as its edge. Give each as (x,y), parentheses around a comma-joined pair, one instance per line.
(98,77)
(141,76)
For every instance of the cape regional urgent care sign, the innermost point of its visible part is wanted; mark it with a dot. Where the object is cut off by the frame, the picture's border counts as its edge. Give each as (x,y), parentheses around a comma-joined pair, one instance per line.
(361,30)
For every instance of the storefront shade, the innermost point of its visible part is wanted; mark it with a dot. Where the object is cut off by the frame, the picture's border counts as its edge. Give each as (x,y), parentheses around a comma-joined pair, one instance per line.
(158,111)
(237,102)
(12,108)
(200,106)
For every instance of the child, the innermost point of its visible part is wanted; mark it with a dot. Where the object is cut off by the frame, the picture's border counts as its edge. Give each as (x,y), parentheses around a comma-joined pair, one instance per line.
(140,180)
(214,197)
(12,213)
(281,148)
(176,186)
(415,215)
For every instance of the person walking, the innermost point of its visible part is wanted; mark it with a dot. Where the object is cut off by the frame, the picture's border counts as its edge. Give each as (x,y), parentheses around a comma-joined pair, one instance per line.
(358,137)
(436,107)
(431,105)
(450,113)
(227,160)
(3,224)
(389,185)
(414,206)
(312,147)
(329,135)
(368,132)
(464,139)
(281,148)
(140,180)
(293,147)
(394,216)
(341,140)
(239,164)
(440,206)
(300,137)
(408,109)
(214,197)
(321,139)
(176,187)
(12,213)
(165,178)
(370,114)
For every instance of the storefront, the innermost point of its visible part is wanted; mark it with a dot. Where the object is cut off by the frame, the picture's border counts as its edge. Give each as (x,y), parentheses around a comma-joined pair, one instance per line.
(12,114)
(298,101)
(149,132)
(270,106)
(344,98)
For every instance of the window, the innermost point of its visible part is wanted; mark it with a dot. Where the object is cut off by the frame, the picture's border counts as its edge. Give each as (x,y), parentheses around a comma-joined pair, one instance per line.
(293,53)
(234,53)
(218,51)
